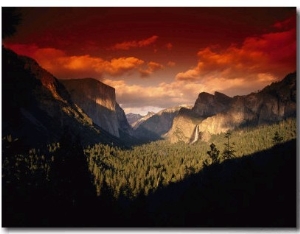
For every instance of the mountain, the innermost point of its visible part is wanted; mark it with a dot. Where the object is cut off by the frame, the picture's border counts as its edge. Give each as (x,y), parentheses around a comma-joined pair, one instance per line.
(213,114)
(98,100)
(137,123)
(132,118)
(154,126)
(37,108)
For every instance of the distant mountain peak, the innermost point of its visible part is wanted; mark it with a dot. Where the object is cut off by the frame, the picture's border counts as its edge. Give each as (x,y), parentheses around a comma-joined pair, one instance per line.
(155,126)
(137,123)
(132,118)
(150,113)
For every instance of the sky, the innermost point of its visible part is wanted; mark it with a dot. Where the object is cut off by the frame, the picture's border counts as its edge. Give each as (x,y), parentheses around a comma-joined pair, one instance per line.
(160,57)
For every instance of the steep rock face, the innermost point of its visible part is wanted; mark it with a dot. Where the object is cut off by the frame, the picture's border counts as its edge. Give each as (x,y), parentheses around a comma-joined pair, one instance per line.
(37,107)
(123,124)
(185,122)
(98,100)
(274,103)
(208,105)
(183,126)
(278,100)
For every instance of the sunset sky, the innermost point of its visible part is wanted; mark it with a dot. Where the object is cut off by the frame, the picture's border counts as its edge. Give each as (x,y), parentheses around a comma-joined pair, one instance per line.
(162,57)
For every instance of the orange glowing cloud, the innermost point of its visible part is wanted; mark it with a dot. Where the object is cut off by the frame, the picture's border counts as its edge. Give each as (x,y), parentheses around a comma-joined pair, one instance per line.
(86,64)
(126,45)
(64,66)
(121,65)
(152,67)
(168,94)
(271,53)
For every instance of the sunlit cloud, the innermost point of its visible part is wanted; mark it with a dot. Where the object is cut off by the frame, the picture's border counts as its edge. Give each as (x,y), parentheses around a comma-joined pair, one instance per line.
(272,53)
(234,70)
(121,65)
(178,92)
(162,95)
(165,95)
(126,45)
(64,66)
(158,95)
(152,67)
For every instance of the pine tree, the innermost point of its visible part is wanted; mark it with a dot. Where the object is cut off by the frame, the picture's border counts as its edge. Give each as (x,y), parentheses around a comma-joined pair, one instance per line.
(228,152)
(213,154)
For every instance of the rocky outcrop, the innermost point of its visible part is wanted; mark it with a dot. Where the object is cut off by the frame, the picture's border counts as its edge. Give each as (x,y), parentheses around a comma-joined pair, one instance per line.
(208,105)
(98,100)
(37,107)
(219,113)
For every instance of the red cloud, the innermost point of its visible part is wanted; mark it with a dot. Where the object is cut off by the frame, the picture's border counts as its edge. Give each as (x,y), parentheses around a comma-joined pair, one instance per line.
(272,53)
(121,65)
(152,66)
(135,44)
(64,66)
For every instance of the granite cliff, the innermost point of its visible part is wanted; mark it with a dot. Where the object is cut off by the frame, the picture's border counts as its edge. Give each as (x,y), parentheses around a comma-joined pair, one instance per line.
(98,101)
(217,113)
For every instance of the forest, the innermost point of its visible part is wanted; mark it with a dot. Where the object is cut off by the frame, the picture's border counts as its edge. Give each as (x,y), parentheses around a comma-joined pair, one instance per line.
(205,184)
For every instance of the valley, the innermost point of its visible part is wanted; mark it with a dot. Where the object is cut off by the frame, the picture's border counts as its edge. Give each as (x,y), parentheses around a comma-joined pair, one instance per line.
(150,180)
(68,147)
